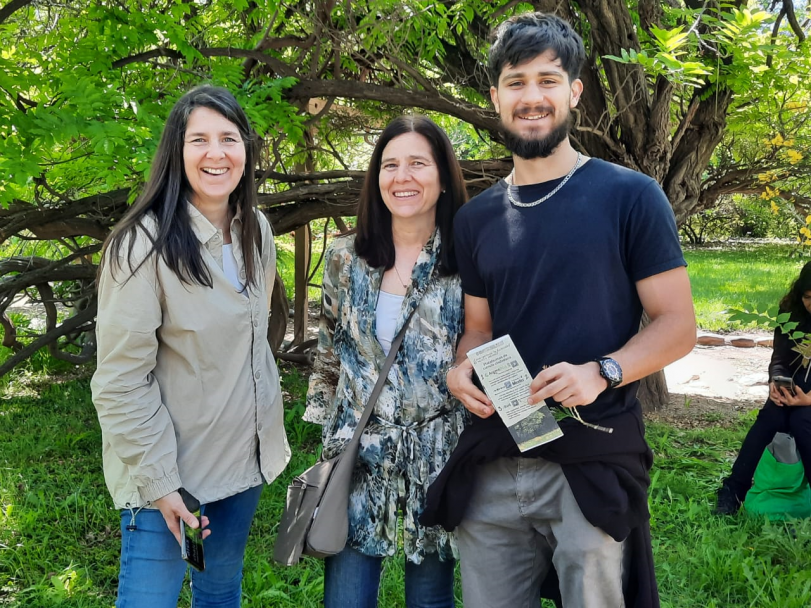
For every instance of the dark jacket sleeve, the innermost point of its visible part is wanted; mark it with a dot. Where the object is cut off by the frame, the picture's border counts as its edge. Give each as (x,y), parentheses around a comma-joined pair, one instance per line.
(782,355)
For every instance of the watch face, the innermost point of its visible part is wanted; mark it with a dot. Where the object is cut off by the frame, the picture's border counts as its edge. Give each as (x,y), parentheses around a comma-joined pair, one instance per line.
(611,371)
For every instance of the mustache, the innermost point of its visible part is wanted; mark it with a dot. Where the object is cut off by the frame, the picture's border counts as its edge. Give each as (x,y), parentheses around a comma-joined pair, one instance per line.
(526,111)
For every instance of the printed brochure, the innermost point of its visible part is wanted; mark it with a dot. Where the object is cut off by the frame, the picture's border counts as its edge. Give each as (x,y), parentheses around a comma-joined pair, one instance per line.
(506,381)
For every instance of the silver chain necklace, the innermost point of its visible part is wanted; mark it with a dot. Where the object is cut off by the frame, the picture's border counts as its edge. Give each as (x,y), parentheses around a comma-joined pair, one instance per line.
(518,203)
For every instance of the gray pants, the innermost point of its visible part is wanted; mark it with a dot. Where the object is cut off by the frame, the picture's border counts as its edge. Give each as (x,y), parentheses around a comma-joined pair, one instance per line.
(522,518)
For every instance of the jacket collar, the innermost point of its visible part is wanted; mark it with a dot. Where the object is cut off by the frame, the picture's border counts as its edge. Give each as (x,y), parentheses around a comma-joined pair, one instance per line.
(205,230)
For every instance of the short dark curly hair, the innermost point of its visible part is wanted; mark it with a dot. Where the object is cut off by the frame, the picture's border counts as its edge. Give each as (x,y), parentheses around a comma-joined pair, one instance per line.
(524,37)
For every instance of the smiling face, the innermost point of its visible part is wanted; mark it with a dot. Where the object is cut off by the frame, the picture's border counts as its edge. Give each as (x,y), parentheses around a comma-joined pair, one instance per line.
(534,100)
(213,157)
(409,178)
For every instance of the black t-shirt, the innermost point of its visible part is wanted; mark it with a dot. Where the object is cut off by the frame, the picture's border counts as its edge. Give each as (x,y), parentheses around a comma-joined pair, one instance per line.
(560,277)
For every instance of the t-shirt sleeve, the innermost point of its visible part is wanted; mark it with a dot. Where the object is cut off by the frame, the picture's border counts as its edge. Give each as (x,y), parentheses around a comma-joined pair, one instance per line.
(472,283)
(652,243)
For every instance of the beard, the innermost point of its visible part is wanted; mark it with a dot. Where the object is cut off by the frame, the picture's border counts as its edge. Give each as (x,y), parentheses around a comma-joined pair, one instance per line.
(540,147)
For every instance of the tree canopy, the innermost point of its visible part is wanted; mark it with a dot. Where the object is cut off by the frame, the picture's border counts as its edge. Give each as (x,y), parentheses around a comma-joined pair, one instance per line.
(708,98)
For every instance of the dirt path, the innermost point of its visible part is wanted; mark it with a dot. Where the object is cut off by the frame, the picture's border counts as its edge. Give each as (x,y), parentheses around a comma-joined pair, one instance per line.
(715,385)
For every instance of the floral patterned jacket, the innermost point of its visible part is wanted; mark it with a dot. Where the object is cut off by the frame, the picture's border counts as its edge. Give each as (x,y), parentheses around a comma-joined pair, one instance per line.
(415,424)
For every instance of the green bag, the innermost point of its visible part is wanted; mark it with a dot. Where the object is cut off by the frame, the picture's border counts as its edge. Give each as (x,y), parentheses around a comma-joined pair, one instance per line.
(780,489)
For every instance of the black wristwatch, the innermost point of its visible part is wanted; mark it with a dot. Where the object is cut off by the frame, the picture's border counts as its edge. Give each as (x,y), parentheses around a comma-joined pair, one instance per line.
(610,370)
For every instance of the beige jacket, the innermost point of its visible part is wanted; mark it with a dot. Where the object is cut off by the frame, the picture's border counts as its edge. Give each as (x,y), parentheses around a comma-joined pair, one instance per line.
(187,390)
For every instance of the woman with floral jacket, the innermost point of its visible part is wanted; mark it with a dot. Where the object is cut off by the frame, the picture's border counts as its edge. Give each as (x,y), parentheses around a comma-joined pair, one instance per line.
(400,258)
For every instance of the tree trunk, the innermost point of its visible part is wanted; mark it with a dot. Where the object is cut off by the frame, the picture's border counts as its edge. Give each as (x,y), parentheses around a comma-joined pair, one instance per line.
(653,392)
(301,302)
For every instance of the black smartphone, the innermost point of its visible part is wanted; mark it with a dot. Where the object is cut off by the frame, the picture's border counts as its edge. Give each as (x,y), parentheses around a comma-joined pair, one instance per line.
(784,382)
(191,547)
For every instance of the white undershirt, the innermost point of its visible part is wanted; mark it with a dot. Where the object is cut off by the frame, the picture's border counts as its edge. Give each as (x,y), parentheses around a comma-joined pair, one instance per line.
(229,267)
(387,313)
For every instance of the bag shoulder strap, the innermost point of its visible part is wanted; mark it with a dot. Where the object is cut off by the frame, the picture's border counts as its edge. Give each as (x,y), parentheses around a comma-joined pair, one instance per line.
(381,380)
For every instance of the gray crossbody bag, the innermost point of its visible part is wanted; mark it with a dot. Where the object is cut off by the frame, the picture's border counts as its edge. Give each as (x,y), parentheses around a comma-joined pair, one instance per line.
(315,520)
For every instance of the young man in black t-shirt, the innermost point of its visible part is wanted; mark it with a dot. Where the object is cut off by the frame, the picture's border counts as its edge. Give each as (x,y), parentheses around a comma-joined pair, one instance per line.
(564,256)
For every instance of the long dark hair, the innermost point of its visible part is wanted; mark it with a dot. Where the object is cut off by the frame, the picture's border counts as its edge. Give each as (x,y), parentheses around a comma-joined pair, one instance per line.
(167,190)
(374,242)
(793,301)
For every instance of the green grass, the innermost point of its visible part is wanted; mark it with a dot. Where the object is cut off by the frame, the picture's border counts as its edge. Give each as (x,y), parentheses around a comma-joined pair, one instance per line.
(734,276)
(702,560)
(59,538)
(59,535)
(57,531)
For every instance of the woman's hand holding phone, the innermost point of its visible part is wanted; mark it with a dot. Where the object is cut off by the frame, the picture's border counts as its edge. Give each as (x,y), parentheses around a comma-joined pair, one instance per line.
(775,392)
(783,391)
(799,399)
(173,509)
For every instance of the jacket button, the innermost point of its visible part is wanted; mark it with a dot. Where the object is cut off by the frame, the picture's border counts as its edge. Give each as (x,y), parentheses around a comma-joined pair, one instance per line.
(256,375)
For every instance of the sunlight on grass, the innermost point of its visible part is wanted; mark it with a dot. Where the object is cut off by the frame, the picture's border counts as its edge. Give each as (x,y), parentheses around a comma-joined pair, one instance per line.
(737,276)
(59,534)
(59,538)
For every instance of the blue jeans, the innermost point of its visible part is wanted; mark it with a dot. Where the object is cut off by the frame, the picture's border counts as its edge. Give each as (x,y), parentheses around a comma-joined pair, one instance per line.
(152,570)
(352,580)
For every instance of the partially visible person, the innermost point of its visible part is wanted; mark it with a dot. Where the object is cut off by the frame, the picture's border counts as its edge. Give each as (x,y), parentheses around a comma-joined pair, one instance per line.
(402,257)
(563,256)
(187,390)
(783,411)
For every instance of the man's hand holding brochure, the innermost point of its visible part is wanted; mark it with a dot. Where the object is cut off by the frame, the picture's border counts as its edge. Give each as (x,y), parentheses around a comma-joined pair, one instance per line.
(506,380)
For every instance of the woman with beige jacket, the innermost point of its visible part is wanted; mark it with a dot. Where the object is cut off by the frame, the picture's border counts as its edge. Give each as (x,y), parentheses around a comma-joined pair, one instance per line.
(187,390)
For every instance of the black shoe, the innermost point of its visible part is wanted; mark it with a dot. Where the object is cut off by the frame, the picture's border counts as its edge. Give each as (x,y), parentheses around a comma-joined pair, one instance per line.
(727,503)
